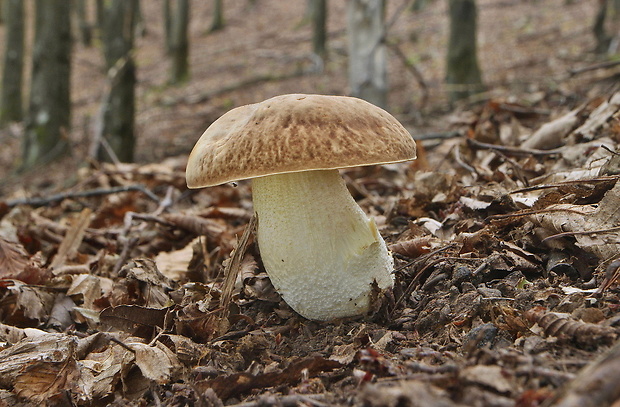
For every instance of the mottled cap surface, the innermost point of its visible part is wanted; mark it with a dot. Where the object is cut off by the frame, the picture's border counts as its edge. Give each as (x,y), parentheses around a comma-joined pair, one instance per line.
(292,133)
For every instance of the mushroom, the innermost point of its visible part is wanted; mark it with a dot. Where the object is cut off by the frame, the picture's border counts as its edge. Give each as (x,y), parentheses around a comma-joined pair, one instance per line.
(323,254)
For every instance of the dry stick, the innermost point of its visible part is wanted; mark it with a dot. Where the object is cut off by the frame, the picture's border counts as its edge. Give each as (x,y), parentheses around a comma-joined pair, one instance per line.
(230,274)
(81,194)
(602,65)
(73,239)
(581,232)
(564,183)
(512,150)
(527,213)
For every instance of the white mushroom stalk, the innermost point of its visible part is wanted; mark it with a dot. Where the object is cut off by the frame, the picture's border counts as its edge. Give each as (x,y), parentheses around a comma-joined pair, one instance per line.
(322,253)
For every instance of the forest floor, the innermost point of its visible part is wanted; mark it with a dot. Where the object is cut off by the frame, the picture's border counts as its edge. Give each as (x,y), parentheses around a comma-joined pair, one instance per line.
(504,231)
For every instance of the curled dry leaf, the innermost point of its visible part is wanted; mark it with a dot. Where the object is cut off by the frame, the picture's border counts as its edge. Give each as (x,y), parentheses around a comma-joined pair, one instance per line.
(594,227)
(415,247)
(15,264)
(39,367)
(195,224)
(33,302)
(157,362)
(147,283)
(551,134)
(100,372)
(564,327)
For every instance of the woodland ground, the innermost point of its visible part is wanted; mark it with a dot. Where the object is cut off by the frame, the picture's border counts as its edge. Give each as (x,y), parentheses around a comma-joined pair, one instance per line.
(499,246)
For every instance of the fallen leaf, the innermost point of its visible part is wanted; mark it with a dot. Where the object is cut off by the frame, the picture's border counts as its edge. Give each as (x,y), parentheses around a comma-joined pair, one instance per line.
(133,318)
(156,362)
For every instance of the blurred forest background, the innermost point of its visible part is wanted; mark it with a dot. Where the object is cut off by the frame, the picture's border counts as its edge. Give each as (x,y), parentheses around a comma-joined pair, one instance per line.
(91,79)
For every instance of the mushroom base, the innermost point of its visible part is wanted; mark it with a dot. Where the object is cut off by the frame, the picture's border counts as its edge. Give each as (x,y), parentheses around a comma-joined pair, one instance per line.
(320,250)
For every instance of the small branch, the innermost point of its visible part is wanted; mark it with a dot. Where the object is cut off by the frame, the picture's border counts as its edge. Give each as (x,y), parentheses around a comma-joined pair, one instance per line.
(601,65)
(581,232)
(508,150)
(564,183)
(81,194)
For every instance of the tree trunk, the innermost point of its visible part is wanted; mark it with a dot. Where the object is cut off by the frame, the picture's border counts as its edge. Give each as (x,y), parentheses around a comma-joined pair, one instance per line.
(319,33)
(48,121)
(11,88)
(462,71)
(367,51)
(180,43)
(119,106)
(218,16)
(598,28)
(86,33)
(167,26)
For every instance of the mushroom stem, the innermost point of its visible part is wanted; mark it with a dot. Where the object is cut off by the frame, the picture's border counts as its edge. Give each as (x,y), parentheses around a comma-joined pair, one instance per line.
(320,250)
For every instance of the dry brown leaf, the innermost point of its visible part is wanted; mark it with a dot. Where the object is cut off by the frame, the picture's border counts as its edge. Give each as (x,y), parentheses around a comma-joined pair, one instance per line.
(551,134)
(599,117)
(195,224)
(133,318)
(150,286)
(43,380)
(562,326)
(13,259)
(90,288)
(593,226)
(35,302)
(157,362)
(35,358)
(100,372)
(174,265)
(415,247)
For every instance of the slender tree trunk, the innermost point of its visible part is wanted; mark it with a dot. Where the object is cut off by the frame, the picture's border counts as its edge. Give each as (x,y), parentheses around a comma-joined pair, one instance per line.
(180,43)
(598,28)
(367,51)
(11,89)
(167,26)
(462,71)
(218,15)
(119,106)
(49,113)
(319,21)
(86,33)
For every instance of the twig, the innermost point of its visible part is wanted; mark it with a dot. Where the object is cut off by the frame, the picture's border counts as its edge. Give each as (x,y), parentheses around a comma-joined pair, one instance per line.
(434,136)
(601,65)
(563,183)
(533,212)
(459,160)
(230,274)
(511,150)
(291,400)
(81,194)
(580,232)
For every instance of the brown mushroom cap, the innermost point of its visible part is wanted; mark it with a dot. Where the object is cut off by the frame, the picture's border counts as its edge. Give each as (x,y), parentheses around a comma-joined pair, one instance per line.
(292,133)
